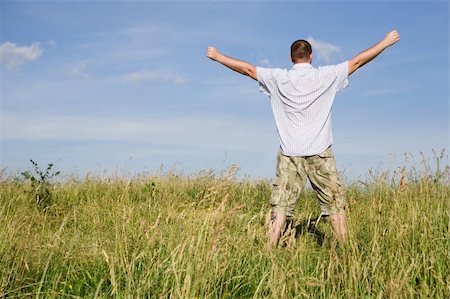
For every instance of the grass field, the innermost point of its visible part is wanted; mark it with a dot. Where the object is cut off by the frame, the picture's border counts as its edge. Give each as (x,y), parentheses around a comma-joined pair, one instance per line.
(204,236)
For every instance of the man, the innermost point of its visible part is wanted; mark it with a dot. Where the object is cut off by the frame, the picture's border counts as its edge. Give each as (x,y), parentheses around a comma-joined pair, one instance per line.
(302,100)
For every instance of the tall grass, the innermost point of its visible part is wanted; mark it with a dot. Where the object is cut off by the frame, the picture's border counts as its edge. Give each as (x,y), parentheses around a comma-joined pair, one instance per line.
(204,236)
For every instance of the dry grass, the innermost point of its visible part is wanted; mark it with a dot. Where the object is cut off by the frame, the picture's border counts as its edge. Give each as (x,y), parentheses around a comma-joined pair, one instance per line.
(204,236)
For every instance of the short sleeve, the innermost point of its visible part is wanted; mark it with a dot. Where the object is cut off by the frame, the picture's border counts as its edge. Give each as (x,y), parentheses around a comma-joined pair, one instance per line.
(342,75)
(339,73)
(266,79)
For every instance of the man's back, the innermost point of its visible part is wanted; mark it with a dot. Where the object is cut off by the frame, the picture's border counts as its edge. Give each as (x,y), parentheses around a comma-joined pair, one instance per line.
(301,100)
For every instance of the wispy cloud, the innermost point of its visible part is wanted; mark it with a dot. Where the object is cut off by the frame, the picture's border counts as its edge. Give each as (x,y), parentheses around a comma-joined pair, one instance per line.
(381,91)
(153,75)
(76,127)
(51,43)
(77,70)
(175,130)
(13,56)
(144,30)
(264,62)
(324,50)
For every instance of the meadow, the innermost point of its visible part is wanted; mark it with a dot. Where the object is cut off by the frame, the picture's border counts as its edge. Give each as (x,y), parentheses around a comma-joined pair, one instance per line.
(204,235)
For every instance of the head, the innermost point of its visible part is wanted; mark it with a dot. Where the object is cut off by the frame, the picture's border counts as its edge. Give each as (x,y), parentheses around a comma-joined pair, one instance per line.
(301,52)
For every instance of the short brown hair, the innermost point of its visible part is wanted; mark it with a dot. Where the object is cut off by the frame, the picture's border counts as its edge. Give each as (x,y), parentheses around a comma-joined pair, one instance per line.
(300,49)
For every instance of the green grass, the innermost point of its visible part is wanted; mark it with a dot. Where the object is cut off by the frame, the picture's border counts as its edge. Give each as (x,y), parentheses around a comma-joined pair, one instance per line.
(204,236)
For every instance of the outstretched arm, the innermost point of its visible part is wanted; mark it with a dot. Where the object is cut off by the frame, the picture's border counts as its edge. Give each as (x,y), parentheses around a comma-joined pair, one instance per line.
(369,54)
(236,65)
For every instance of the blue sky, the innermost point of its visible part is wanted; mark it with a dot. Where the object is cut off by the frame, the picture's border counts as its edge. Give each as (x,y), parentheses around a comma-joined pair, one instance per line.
(125,86)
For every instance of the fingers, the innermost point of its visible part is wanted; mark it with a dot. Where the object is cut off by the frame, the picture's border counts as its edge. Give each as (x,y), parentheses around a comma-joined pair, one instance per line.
(392,37)
(395,35)
(211,52)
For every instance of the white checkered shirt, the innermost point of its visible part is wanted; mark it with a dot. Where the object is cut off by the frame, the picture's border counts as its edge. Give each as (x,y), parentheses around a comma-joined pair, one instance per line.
(302,99)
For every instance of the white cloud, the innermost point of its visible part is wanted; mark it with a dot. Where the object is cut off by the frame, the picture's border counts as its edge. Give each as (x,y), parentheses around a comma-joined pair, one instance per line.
(264,62)
(380,92)
(13,56)
(51,43)
(139,31)
(236,133)
(323,49)
(148,75)
(77,70)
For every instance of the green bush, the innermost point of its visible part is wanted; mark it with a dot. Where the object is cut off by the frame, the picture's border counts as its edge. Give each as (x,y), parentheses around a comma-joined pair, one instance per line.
(40,183)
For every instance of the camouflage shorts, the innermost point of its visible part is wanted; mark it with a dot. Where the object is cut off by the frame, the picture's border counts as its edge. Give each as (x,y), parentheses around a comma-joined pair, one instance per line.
(292,174)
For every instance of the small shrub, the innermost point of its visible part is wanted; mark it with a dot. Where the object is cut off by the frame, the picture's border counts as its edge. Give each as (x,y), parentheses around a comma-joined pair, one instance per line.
(40,183)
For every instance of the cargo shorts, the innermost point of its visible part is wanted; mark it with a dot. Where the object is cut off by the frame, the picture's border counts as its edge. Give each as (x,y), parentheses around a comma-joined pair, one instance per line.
(292,174)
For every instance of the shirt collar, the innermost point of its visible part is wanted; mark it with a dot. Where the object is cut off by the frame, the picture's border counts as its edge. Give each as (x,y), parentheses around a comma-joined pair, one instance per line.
(301,65)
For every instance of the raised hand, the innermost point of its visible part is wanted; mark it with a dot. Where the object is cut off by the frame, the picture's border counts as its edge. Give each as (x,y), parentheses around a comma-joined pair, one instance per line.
(391,38)
(236,65)
(212,53)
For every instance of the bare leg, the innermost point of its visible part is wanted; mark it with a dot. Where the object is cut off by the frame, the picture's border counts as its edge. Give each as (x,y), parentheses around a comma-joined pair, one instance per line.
(339,226)
(277,223)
